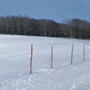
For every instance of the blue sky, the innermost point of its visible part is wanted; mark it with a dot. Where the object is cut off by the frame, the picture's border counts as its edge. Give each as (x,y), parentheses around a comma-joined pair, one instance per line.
(57,10)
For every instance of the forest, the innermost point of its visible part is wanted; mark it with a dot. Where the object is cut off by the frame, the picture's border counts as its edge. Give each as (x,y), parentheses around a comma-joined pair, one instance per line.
(24,25)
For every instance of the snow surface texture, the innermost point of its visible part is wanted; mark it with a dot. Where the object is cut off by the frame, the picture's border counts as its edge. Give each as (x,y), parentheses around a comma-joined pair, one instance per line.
(15,63)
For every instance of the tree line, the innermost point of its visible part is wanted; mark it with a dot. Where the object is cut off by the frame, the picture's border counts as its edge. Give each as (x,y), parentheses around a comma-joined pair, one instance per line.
(24,25)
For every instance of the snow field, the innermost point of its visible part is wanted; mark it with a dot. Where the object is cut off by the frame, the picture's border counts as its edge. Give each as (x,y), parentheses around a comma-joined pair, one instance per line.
(15,63)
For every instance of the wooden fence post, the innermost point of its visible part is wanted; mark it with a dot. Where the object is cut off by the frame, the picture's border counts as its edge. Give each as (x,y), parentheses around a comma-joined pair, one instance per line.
(52,57)
(83,52)
(31,58)
(72,53)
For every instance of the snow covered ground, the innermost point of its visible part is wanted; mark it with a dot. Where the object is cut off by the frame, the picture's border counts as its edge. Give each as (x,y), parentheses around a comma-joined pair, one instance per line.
(15,63)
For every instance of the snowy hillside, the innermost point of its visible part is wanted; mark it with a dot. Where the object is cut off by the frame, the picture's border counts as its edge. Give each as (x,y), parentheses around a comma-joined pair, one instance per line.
(15,63)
